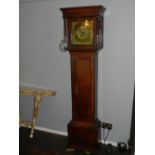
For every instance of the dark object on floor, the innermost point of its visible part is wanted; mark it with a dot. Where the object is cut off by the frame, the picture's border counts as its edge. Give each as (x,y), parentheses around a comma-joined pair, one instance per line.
(108,149)
(122,146)
(51,144)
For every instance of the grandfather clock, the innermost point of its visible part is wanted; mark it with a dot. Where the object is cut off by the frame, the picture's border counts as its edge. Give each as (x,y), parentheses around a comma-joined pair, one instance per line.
(83,32)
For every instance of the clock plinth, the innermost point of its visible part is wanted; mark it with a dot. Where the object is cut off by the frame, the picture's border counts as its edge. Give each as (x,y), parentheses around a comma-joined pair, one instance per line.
(83,135)
(84,37)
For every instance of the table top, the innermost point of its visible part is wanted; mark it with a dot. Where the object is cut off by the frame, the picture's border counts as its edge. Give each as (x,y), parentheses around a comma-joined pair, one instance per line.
(32,91)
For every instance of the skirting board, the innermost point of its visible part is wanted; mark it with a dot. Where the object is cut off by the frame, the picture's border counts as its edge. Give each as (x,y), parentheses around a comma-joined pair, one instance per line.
(65,134)
(62,133)
(109,142)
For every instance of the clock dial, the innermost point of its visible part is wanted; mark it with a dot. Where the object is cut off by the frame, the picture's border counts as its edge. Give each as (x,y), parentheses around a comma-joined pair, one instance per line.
(82,32)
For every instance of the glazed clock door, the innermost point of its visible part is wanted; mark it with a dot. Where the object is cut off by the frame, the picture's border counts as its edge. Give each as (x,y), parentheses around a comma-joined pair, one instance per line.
(82,32)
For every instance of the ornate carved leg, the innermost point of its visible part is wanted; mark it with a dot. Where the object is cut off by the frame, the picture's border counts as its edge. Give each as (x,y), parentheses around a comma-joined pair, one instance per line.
(37,101)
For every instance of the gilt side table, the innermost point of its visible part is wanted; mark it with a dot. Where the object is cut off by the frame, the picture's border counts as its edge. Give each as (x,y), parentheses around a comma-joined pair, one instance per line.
(37,93)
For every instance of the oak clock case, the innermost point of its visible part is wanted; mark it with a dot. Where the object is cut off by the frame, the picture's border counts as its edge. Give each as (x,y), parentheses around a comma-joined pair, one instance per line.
(83,31)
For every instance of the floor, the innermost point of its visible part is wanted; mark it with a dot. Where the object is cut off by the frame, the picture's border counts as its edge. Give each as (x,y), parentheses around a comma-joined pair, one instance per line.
(50,144)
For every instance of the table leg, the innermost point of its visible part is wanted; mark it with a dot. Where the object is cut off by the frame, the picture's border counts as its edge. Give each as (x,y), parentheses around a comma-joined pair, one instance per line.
(37,101)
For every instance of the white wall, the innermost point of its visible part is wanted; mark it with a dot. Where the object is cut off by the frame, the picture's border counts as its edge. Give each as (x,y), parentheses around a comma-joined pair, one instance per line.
(43,65)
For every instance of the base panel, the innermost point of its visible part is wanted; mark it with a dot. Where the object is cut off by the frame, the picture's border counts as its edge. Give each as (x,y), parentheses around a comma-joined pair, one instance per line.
(83,135)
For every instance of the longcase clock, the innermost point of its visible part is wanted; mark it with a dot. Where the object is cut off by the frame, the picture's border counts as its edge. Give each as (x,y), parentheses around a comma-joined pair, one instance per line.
(83,31)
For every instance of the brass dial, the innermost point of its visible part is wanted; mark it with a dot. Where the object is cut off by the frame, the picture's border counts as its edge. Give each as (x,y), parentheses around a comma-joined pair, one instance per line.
(82,32)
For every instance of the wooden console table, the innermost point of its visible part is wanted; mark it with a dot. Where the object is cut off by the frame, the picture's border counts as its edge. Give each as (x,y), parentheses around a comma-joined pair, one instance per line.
(37,93)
